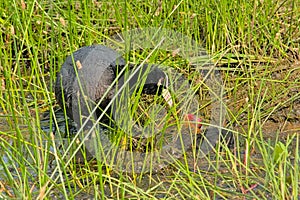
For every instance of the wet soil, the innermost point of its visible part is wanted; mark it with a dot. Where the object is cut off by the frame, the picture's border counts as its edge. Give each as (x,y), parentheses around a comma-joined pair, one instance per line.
(280,118)
(280,110)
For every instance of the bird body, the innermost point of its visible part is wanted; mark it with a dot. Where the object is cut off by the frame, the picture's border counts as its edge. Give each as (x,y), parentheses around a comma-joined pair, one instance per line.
(88,78)
(87,74)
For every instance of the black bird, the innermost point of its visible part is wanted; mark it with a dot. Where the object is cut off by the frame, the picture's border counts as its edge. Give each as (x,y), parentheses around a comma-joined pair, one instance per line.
(88,75)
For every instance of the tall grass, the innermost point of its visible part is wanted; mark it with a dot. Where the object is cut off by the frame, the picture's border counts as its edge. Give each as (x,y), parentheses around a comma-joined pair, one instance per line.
(250,40)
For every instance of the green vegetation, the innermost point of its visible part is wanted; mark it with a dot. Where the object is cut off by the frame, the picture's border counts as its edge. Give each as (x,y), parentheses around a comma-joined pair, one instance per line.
(255,44)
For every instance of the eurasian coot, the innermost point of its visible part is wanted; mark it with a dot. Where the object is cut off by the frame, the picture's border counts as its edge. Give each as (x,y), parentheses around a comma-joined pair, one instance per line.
(86,78)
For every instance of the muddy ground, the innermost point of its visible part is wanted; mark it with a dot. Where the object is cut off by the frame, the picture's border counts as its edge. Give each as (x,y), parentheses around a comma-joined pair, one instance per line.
(279,114)
(280,94)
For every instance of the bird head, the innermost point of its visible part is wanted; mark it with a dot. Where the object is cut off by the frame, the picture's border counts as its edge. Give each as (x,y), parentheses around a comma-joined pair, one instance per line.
(192,122)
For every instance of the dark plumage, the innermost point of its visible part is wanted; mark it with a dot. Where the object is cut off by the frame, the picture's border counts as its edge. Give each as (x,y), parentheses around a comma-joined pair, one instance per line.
(87,77)
(92,68)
